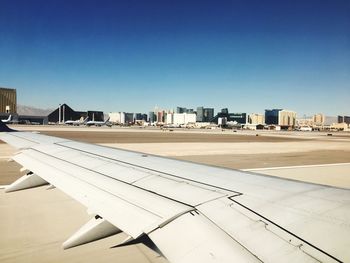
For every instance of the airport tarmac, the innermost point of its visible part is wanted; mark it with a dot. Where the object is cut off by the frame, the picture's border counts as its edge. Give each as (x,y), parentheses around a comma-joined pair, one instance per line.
(35,222)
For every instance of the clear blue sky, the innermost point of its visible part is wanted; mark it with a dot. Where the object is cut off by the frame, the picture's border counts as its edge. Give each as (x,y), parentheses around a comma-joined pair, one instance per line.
(132,55)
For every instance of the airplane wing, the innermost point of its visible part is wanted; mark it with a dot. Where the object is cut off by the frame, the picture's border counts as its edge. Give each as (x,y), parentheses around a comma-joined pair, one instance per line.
(188,212)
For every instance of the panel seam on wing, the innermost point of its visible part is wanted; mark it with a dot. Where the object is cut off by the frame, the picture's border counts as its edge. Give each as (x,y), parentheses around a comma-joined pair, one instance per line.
(150,169)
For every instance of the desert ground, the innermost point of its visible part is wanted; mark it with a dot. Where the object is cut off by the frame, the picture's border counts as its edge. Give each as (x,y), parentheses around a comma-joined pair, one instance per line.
(35,222)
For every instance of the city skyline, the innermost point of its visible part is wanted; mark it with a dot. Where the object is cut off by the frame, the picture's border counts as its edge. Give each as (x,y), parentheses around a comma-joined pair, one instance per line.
(174,110)
(116,56)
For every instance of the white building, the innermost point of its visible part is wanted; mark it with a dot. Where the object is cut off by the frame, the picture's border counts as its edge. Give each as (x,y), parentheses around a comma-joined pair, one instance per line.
(117,117)
(169,118)
(222,121)
(184,118)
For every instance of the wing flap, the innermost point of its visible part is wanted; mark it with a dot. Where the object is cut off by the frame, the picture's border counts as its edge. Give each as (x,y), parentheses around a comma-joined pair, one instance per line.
(305,216)
(133,210)
(193,238)
(267,240)
(178,189)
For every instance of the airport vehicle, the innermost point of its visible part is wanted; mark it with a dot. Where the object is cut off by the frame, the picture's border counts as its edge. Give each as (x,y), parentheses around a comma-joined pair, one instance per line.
(304,128)
(8,120)
(187,212)
(98,123)
(77,122)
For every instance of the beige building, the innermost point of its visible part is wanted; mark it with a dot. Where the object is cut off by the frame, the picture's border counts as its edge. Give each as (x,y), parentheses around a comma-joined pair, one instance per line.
(318,119)
(287,118)
(256,118)
(8,100)
(340,126)
(305,122)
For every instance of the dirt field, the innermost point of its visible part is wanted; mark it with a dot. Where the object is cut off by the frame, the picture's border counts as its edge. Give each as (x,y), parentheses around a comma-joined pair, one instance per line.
(161,137)
(225,149)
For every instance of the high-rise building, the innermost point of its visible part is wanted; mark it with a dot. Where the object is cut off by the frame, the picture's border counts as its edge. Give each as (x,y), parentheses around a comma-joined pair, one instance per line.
(160,116)
(287,118)
(224,111)
(140,117)
(200,114)
(169,118)
(117,117)
(237,117)
(347,119)
(344,119)
(181,110)
(184,118)
(318,119)
(240,117)
(256,118)
(129,117)
(152,117)
(208,114)
(271,116)
(280,117)
(204,114)
(8,100)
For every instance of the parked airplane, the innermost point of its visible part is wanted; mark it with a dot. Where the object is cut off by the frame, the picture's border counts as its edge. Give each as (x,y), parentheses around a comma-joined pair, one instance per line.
(8,120)
(98,123)
(189,212)
(77,122)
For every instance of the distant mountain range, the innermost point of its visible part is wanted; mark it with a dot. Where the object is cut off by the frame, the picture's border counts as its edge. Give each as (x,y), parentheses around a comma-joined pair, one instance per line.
(28,110)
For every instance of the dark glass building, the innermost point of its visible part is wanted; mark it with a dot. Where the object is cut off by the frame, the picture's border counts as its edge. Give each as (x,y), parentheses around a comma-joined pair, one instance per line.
(271,116)
(240,118)
(208,114)
(96,115)
(181,109)
(224,110)
(129,118)
(344,119)
(140,116)
(200,114)
(152,117)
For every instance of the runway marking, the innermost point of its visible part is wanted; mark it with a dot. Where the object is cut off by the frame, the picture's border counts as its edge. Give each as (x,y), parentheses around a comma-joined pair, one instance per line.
(5,157)
(297,166)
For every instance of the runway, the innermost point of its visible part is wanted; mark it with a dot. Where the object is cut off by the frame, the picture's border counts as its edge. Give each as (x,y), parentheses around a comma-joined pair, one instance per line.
(35,222)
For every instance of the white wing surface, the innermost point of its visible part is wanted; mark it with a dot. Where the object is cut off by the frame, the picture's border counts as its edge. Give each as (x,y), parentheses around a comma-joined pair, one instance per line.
(189,212)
